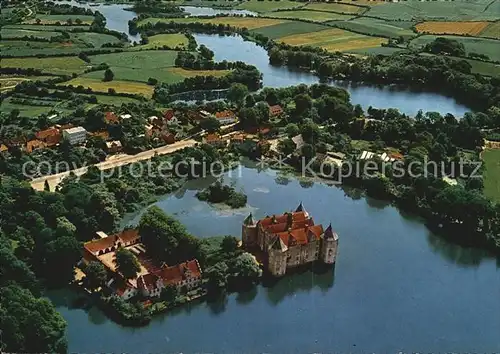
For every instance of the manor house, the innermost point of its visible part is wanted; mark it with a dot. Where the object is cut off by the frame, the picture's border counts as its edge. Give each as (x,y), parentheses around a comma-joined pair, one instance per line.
(290,240)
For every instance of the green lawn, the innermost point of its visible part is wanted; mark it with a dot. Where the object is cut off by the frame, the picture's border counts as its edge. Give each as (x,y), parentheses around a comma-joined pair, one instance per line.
(266,6)
(139,60)
(92,39)
(376,27)
(335,7)
(457,10)
(32,48)
(316,16)
(491,159)
(171,40)
(489,47)
(10,33)
(289,28)
(55,65)
(50,19)
(45,27)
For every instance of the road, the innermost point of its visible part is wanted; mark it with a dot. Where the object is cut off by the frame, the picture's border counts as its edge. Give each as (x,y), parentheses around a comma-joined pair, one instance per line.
(111,162)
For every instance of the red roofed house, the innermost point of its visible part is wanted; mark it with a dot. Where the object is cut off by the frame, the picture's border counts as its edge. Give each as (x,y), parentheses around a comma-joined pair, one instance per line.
(187,274)
(51,136)
(275,110)
(111,118)
(214,139)
(226,117)
(290,240)
(34,145)
(170,117)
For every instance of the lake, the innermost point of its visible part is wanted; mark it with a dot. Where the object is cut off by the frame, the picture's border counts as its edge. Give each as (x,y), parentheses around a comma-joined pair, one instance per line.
(395,286)
(235,48)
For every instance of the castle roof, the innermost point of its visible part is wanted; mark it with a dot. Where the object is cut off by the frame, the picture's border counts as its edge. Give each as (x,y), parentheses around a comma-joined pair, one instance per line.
(330,234)
(249,220)
(278,244)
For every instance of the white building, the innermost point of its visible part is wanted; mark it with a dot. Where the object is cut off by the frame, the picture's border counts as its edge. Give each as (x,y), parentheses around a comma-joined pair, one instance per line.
(75,136)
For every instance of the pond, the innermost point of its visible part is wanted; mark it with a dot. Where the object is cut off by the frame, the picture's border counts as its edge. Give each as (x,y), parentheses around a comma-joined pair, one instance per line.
(116,15)
(395,286)
(208,11)
(235,48)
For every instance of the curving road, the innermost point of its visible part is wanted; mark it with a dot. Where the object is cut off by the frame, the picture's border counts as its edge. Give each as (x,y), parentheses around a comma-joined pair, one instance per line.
(111,162)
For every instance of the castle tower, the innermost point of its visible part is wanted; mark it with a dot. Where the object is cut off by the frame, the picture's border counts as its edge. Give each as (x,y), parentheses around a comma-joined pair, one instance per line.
(277,257)
(301,208)
(329,243)
(249,232)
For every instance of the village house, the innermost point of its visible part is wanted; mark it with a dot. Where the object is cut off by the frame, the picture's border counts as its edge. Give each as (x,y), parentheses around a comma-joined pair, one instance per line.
(275,110)
(205,114)
(169,117)
(151,279)
(237,139)
(385,157)
(34,145)
(226,117)
(111,118)
(214,140)
(114,146)
(75,136)
(51,136)
(167,137)
(290,240)
(185,275)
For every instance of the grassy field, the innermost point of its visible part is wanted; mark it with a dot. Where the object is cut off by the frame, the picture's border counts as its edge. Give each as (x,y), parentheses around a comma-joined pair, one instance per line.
(335,7)
(11,33)
(459,10)
(377,51)
(167,74)
(371,26)
(461,28)
(7,83)
(334,40)
(51,19)
(317,16)
(485,46)
(24,110)
(172,40)
(492,31)
(55,65)
(491,159)
(289,28)
(239,22)
(145,59)
(266,6)
(120,86)
(31,48)
(92,39)
(45,27)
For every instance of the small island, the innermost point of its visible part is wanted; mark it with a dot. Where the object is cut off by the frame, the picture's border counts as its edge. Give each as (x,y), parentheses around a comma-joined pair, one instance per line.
(220,193)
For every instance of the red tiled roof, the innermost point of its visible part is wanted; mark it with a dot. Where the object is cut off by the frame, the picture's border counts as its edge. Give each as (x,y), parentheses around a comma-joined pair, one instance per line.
(34,144)
(275,110)
(212,137)
(175,274)
(44,134)
(396,155)
(224,114)
(147,281)
(100,244)
(129,235)
(111,117)
(168,114)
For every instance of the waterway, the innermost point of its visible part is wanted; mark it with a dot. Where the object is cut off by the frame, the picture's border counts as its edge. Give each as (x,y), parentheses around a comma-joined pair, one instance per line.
(395,286)
(235,48)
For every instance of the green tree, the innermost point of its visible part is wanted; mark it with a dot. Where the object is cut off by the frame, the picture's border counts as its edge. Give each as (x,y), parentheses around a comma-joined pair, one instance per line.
(108,75)
(292,130)
(244,267)
(95,275)
(237,93)
(210,124)
(169,293)
(28,324)
(229,244)
(217,277)
(127,263)
(286,146)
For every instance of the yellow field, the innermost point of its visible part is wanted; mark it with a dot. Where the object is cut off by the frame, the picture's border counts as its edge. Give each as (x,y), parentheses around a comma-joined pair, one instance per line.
(334,40)
(119,86)
(335,7)
(171,40)
(239,22)
(192,73)
(461,28)
(492,31)
(56,65)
